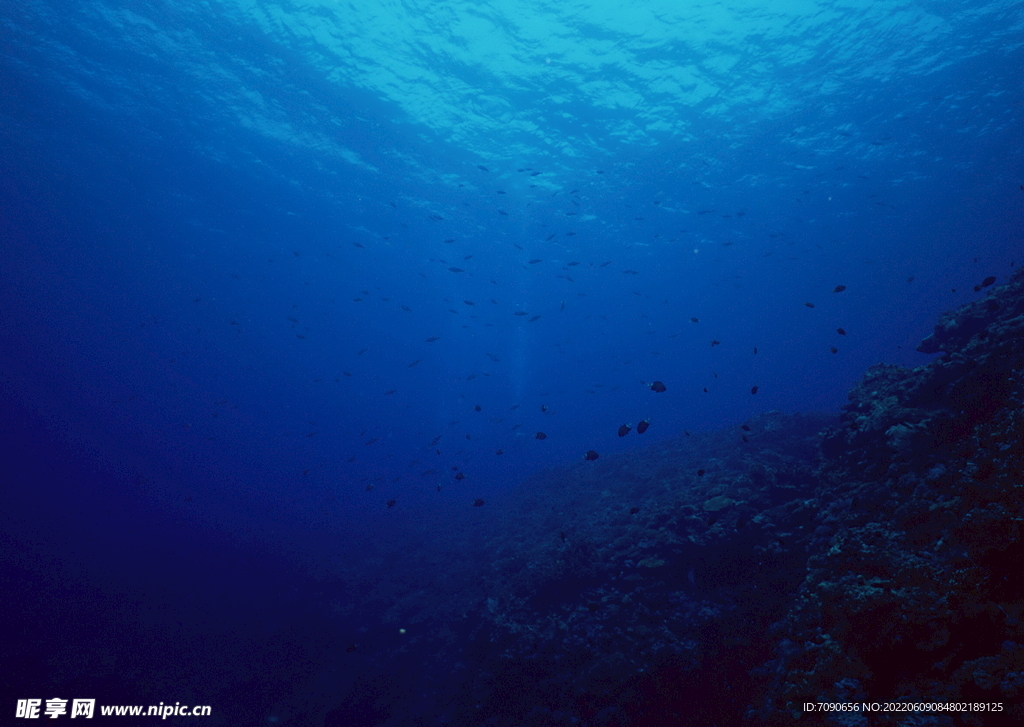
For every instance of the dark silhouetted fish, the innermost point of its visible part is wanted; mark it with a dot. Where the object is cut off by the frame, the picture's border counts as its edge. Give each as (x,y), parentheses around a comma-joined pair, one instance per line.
(391,503)
(694,320)
(432,339)
(533,318)
(700,473)
(657,386)
(549,237)
(634,510)
(477,408)
(469,302)
(591,455)
(520,313)
(499,451)
(478,502)
(536,260)
(460,475)
(482,168)
(833,349)
(405,307)
(715,342)
(809,305)
(390,392)
(744,427)
(540,435)
(414,363)
(642,426)
(755,350)
(457,270)
(503,212)
(753,389)
(841,331)
(624,430)
(839,289)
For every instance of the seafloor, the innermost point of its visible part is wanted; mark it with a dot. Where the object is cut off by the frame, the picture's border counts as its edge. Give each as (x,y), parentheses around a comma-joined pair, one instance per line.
(727,578)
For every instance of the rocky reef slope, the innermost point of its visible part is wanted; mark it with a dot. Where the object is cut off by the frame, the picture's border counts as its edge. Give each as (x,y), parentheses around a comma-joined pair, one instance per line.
(728,578)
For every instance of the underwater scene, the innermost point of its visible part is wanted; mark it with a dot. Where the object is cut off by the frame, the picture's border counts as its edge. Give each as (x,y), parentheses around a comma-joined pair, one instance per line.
(505,363)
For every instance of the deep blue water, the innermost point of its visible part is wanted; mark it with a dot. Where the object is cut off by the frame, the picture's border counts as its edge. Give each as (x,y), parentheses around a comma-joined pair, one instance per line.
(262,261)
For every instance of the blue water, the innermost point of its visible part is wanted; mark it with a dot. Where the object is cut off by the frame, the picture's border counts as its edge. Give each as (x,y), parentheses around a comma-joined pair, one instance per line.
(261,261)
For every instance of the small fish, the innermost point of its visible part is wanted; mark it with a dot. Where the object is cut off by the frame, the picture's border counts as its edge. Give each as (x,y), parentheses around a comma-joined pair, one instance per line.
(540,435)
(543,407)
(478,502)
(715,342)
(391,503)
(841,331)
(460,476)
(503,212)
(630,272)
(477,408)
(624,430)
(606,264)
(432,339)
(694,320)
(657,386)
(469,302)
(405,307)
(839,289)
(533,318)
(520,313)
(536,260)
(700,473)
(634,510)
(550,237)
(753,389)
(809,305)
(642,426)
(591,455)
(482,168)
(436,218)
(371,441)
(985,283)
(744,427)
(389,392)
(450,239)
(414,363)
(499,451)
(457,270)
(833,349)
(369,487)
(755,350)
